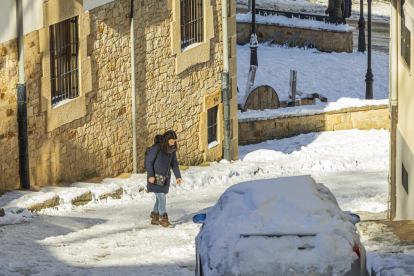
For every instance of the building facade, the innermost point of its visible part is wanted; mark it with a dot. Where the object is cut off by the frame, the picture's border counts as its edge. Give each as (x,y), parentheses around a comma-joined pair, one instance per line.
(78,77)
(402,106)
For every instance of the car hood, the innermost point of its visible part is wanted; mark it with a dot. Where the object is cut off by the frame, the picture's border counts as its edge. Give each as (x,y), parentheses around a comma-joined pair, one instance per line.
(268,221)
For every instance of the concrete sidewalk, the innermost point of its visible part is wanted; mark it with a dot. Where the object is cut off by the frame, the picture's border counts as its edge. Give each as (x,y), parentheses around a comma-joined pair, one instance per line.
(390,244)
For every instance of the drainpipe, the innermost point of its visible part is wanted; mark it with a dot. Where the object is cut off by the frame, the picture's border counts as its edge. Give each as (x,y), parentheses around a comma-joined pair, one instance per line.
(24,172)
(393,106)
(134,125)
(225,83)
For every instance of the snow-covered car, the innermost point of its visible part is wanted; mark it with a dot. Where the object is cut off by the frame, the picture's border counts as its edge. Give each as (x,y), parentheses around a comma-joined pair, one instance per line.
(282,226)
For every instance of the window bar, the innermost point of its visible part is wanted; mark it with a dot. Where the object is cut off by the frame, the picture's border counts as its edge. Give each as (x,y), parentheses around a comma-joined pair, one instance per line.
(76,57)
(52,60)
(68,58)
(72,63)
(187,31)
(59,56)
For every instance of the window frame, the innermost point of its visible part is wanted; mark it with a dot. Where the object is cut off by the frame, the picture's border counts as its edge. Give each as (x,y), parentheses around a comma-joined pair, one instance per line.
(192,13)
(64,60)
(405,34)
(212,125)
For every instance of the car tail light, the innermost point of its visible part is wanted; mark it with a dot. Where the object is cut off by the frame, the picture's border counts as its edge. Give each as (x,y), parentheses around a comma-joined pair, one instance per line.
(356,249)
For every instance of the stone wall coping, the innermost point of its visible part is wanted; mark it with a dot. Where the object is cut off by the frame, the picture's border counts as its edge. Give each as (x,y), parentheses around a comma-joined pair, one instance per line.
(333,112)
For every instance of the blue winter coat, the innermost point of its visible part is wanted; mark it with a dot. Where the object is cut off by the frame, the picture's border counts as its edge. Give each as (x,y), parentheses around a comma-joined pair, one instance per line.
(158,162)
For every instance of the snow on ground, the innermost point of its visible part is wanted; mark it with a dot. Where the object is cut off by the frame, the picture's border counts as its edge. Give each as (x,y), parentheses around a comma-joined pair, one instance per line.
(380,9)
(294,22)
(338,76)
(114,237)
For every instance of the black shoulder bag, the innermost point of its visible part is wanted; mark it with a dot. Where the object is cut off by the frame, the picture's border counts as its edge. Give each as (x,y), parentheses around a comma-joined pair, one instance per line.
(159,178)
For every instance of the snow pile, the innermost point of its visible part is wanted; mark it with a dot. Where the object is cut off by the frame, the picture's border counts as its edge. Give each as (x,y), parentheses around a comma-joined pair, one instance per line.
(338,76)
(66,194)
(294,22)
(308,153)
(294,205)
(318,108)
(16,215)
(97,190)
(24,199)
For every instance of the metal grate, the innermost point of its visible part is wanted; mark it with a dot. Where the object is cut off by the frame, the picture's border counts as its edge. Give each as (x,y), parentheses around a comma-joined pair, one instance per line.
(191,22)
(212,124)
(405,38)
(404,180)
(64,60)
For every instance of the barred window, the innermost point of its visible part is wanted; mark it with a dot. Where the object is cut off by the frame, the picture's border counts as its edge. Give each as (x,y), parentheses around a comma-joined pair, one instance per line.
(64,60)
(404,180)
(191,22)
(212,124)
(405,38)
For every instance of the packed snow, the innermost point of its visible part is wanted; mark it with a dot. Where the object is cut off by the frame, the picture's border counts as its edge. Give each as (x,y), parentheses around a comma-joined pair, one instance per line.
(109,236)
(294,22)
(293,205)
(338,76)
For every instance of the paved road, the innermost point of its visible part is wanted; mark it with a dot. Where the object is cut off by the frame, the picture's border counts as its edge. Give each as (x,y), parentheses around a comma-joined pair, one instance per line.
(380,33)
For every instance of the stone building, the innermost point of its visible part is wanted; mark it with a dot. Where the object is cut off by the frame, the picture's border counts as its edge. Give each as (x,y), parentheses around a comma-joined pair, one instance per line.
(402,110)
(78,76)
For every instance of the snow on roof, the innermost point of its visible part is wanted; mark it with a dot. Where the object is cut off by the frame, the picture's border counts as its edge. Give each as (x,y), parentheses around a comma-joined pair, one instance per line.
(294,22)
(293,205)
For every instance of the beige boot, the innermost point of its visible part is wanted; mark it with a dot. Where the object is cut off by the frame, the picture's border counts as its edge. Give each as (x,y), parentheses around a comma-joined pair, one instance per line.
(155,218)
(164,220)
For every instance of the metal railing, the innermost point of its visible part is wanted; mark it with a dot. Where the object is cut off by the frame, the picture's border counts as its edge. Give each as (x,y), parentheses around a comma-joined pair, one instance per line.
(326,19)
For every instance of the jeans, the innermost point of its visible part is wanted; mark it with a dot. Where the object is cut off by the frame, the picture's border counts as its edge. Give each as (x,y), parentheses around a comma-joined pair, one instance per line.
(159,206)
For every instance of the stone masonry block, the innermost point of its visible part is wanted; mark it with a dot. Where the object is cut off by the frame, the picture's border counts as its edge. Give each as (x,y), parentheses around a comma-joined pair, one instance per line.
(46,64)
(46,90)
(231,26)
(213,99)
(203,131)
(86,75)
(84,24)
(56,11)
(44,41)
(46,204)
(220,123)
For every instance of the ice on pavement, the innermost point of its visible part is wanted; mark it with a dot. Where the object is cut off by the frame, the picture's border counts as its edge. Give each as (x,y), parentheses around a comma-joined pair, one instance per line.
(293,205)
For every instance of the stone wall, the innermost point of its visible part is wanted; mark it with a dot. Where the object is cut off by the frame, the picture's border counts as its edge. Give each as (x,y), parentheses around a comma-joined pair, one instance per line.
(363,118)
(9,150)
(100,143)
(328,41)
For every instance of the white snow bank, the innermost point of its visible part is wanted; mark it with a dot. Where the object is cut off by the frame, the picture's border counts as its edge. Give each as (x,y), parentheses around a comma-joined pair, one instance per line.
(338,76)
(294,205)
(303,110)
(16,215)
(314,153)
(97,190)
(309,153)
(294,22)
(24,199)
(66,194)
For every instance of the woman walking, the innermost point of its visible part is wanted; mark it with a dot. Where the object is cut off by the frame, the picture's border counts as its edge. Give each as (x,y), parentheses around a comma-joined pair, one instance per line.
(162,156)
